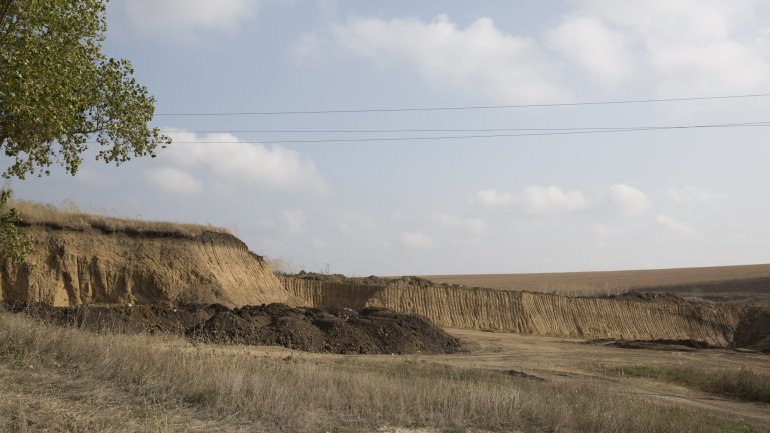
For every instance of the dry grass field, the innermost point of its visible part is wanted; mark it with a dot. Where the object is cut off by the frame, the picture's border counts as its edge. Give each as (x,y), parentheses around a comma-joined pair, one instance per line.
(63,379)
(71,217)
(747,283)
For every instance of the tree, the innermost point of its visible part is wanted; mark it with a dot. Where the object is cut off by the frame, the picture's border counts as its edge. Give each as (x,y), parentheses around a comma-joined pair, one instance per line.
(13,244)
(60,96)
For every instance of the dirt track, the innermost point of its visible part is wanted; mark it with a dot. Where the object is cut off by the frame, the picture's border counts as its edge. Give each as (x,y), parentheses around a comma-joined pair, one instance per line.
(333,330)
(573,360)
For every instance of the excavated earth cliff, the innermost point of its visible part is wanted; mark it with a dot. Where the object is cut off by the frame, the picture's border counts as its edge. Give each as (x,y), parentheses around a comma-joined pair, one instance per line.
(633,317)
(83,265)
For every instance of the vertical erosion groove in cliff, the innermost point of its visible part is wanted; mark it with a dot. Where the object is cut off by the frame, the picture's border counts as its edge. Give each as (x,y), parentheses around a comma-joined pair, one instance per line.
(537,313)
(71,267)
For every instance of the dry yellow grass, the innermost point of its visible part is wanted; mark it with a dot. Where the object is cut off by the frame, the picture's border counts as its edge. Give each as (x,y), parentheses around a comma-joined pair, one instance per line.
(237,387)
(72,218)
(611,282)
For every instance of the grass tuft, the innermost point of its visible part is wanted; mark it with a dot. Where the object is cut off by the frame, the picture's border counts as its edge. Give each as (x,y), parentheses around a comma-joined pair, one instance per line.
(743,384)
(70,217)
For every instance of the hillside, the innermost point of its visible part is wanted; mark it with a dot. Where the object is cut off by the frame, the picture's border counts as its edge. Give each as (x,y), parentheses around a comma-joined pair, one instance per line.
(80,258)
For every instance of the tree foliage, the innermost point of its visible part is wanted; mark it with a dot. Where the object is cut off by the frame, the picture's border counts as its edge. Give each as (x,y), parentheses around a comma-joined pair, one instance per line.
(59,95)
(14,245)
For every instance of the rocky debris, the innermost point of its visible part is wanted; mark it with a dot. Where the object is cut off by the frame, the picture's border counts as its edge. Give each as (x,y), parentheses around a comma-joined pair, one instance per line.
(332,330)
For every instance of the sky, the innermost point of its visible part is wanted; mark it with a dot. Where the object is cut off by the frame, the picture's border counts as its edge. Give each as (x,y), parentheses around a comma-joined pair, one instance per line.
(504,204)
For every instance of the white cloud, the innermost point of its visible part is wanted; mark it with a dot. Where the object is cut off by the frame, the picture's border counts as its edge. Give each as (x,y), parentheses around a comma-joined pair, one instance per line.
(628,200)
(693,47)
(293,221)
(415,240)
(477,60)
(452,223)
(690,194)
(587,41)
(173,180)
(535,199)
(182,19)
(308,49)
(673,225)
(491,198)
(226,157)
(552,199)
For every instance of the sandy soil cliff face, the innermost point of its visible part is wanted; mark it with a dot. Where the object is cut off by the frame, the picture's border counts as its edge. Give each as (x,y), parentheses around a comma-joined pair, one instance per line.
(666,318)
(71,267)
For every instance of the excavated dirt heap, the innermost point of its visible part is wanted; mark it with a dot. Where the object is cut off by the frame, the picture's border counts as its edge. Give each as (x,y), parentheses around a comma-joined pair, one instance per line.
(334,330)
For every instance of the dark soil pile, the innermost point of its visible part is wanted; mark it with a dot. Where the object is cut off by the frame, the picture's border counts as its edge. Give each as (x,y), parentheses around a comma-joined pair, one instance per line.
(334,330)
(667,345)
(371,280)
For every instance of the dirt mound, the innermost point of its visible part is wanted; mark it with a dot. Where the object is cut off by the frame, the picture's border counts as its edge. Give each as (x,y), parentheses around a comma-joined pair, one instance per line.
(668,345)
(651,297)
(754,330)
(334,330)
(371,280)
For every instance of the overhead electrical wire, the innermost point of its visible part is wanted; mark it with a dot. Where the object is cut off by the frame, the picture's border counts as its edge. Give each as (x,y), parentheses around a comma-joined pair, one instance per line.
(457,137)
(391,131)
(459,108)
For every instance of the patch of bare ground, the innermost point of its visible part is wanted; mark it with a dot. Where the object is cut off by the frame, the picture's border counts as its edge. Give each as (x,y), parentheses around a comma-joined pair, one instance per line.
(276,389)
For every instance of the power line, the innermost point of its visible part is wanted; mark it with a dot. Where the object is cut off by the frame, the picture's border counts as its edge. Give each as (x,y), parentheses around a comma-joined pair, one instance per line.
(471,107)
(457,137)
(390,131)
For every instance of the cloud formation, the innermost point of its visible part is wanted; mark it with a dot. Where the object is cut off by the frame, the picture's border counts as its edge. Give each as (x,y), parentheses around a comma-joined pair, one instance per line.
(603,52)
(173,180)
(690,194)
(627,200)
(688,47)
(477,60)
(552,199)
(180,20)
(670,47)
(226,157)
(675,226)
(534,199)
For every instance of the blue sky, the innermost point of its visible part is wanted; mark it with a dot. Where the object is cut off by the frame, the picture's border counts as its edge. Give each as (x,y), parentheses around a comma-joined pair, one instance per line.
(664,198)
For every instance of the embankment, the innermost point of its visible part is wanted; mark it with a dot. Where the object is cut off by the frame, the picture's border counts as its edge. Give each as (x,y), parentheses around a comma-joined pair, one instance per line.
(72,265)
(631,317)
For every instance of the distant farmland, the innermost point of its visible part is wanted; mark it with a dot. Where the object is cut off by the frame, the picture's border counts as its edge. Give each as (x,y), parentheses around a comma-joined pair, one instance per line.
(748,283)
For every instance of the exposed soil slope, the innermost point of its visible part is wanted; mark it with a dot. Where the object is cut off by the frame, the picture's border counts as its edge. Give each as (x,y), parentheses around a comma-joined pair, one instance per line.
(335,330)
(629,317)
(71,266)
